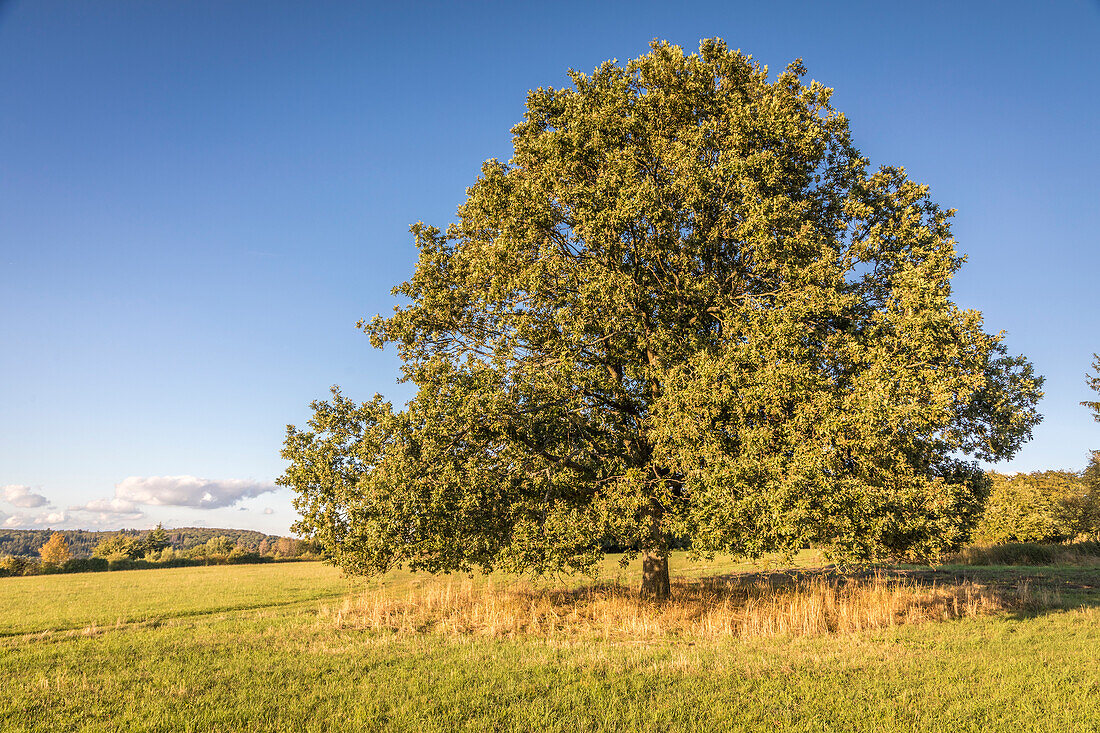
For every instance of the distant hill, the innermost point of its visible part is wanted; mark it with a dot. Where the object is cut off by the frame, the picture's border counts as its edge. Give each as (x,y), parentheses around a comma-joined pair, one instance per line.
(26,542)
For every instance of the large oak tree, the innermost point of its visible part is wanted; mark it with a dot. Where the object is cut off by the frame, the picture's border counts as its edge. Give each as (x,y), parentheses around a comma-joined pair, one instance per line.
(685,311)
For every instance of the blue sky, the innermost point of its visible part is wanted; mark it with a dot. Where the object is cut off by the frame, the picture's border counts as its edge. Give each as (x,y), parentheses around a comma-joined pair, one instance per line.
(198,200)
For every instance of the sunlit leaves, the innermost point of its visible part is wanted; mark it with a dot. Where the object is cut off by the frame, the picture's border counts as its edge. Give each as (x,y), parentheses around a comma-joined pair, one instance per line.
(684,311)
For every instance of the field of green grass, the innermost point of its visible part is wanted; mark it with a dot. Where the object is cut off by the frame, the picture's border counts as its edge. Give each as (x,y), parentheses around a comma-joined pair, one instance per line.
(254,648)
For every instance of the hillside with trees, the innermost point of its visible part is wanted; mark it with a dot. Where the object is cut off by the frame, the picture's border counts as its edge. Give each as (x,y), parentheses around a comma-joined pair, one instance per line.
(82,542)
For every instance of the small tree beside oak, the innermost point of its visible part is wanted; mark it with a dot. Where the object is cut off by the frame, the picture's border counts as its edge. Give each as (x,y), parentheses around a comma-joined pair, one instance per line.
(1092,471)
(685,311)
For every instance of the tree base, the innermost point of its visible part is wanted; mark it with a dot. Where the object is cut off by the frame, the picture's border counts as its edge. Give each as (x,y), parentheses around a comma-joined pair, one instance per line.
(655,582)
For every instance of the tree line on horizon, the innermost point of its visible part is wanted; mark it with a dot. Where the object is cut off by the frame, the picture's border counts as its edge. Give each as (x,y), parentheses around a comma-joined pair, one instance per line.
(154,549)
(82,543)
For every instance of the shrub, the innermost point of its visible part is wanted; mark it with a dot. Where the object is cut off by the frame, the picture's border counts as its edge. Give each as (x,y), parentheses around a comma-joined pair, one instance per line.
(126,563)
(14,565)
(85,565)
(1044,506)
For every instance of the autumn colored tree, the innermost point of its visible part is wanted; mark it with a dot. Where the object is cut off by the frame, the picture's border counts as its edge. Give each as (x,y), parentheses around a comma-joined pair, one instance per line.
(286,547)
(56,550)
(685,311)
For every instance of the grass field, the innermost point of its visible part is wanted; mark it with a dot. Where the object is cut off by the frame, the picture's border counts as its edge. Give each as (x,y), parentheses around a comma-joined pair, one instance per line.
(256,648)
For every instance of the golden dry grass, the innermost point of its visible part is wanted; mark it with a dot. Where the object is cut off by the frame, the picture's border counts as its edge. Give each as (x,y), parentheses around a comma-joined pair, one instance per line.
(712,608)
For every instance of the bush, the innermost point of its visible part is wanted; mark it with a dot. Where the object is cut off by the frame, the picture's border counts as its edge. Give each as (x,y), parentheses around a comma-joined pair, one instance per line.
(1039,507)
(125,563)
(177,561)
(14,565)
(85,565)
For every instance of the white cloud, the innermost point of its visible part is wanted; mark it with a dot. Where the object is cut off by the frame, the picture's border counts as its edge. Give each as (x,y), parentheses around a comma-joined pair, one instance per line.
(22,496)
(188,491)
(108,506)
(104,519)
(103,512)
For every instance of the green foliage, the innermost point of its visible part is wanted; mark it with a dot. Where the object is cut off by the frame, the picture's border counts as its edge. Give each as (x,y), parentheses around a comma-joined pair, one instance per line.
(167,558)
(119,547)
(86,565)
(27,542)
(1090,514)
(1093,381)
(684,310)
(14,565)
(219,547)
(186,538)
(1043,506)
(82,543)
(155,541)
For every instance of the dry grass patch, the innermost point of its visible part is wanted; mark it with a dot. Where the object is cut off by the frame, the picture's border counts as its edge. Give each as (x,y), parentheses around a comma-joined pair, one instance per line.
(711,608)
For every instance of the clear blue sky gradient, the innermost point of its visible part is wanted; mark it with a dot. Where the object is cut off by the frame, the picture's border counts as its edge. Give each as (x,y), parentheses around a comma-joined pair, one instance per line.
(199,199)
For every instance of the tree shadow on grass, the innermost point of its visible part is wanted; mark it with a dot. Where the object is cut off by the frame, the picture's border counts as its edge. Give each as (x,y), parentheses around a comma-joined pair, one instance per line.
(803,602)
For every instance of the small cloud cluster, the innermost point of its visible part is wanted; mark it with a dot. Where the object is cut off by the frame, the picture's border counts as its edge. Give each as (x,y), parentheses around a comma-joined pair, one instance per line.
(108,506)
(109,511)
(22,496)
(20,519)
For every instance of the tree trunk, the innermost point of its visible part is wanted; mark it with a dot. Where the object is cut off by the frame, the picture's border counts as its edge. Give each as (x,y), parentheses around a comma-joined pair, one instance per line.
(655,576)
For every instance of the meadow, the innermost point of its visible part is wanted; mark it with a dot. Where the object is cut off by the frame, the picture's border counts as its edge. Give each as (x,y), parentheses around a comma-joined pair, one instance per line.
(296,647)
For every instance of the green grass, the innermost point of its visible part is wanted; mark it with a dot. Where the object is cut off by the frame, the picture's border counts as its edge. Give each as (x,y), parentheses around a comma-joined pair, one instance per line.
(61,602)
(243,648)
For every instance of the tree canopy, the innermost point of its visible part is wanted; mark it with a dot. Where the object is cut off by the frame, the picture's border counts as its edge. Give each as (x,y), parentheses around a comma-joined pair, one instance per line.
(686,311)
